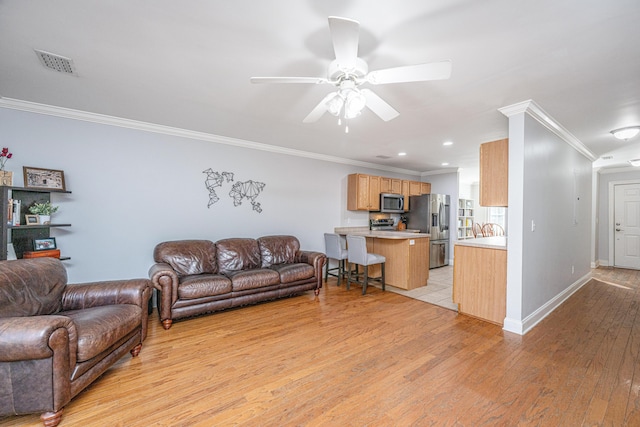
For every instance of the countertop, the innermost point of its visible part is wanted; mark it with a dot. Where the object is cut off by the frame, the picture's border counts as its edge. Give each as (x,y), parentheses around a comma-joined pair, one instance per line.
(364,231)
(497,242)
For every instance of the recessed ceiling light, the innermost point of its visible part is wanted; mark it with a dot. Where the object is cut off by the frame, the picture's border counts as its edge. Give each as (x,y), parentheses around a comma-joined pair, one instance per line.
(626,133)
(635,162)
(445,164)
(447,143)
(402,153)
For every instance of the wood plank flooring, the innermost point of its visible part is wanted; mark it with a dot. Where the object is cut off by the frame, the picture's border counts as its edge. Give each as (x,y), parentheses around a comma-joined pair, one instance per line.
(343,359)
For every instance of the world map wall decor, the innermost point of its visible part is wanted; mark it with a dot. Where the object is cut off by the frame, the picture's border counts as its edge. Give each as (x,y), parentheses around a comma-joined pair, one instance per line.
(240,190)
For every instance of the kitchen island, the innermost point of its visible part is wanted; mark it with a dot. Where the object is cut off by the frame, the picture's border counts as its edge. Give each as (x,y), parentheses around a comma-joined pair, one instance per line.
(406,253)
(480,278)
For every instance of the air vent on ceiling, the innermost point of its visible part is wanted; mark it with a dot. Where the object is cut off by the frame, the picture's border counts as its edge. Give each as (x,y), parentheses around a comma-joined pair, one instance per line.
(606,157)
(56,62)
(383,157)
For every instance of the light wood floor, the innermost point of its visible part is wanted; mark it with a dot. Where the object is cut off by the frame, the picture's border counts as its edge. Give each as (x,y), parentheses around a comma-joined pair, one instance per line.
(382,359)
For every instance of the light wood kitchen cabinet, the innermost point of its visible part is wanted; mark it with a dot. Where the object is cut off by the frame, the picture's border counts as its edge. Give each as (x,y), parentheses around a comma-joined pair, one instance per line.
(494,173)
(363,192)
(390,185)
(414,188)
(405,193)
(405,266)
(480,282)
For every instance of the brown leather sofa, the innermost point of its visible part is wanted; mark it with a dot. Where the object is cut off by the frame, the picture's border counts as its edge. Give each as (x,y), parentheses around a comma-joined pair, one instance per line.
(198,276)
(56,339)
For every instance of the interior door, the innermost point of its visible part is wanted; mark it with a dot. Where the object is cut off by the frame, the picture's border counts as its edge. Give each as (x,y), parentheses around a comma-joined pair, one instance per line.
(627,226)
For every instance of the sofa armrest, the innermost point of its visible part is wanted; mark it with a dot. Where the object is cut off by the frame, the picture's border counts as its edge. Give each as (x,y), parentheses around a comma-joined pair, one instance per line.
(165,279)
(86,295)
(37,337)
(315,259)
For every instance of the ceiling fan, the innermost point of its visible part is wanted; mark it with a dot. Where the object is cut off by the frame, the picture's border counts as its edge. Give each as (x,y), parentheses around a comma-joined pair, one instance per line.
(348,72)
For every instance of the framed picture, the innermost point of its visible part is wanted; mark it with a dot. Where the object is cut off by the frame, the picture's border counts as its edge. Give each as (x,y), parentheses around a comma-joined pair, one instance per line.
(48,179)
(32,219)
(44,244)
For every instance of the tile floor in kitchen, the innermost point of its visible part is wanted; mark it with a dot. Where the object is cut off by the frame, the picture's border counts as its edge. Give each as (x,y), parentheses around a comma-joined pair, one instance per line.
(439,289)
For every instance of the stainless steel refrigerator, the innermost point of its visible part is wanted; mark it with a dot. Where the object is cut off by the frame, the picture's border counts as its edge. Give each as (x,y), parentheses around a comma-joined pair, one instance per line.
(429,213)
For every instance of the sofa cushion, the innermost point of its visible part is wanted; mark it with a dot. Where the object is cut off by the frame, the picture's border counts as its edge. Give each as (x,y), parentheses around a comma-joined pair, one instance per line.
(203,285)
(293,272)
(238,254)
(278,249)
(188,257)
(100,327)
(31,287)
(253,279)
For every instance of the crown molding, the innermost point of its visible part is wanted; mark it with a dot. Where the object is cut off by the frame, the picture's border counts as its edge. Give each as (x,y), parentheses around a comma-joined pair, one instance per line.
(603,170)
(68,113)
(440,171)
(535,111)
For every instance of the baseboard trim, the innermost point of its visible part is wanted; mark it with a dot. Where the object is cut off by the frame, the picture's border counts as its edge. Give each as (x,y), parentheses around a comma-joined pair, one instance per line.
(521,327)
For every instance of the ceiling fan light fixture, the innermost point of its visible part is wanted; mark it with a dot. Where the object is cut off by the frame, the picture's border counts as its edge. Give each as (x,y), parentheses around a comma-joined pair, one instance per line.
(334,105)
(626,133)
(353,104)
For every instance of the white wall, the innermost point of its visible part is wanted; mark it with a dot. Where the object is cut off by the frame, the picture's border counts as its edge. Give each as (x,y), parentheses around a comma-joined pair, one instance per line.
(132,189)
(549,185)
(603,227)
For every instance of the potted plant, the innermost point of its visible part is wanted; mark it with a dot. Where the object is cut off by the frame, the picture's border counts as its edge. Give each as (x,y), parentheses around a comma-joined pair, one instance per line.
(6,177)
(44,211)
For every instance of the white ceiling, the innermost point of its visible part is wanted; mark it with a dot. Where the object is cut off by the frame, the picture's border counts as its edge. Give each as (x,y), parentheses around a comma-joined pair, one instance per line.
(187,64)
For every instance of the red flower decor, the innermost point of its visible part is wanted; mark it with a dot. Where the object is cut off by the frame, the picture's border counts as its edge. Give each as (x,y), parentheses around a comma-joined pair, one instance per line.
(4,156)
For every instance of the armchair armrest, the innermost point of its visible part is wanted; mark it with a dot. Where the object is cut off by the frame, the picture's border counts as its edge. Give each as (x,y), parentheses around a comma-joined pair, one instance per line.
(86,295)
(165,279)
(315,259)
(37,337)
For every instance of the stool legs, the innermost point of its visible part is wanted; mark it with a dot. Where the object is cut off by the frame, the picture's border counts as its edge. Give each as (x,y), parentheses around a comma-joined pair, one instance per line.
(342,272)
(365,278)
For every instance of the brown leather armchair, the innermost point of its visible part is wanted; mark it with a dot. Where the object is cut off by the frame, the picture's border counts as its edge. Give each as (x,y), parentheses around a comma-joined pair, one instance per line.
(56,339)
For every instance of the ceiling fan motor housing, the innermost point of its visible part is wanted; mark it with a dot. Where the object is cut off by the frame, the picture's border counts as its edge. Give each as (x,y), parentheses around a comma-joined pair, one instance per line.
(337,73)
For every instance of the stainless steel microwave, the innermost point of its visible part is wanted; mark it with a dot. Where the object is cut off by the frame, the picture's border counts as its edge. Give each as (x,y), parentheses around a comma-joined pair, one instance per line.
(391,203)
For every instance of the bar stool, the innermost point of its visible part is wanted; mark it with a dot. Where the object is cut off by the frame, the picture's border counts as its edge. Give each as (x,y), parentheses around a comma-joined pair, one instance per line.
(357,252)
(335,248)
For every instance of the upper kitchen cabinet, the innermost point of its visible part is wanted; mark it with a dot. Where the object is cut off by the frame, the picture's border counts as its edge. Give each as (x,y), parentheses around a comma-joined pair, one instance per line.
(414,188)
(494,173)
(363,192)
(390,185)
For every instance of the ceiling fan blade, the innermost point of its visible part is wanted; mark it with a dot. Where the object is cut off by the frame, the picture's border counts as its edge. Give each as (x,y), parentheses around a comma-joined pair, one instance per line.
(319,109)
(345,34)
(411,73)
(315,80)
(379,106)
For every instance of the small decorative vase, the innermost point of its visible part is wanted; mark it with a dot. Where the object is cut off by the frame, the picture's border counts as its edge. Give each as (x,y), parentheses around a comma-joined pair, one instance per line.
(44,219)
(6,178)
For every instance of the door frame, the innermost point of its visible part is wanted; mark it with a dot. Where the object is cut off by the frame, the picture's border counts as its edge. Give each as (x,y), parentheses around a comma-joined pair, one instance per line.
(610,225)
